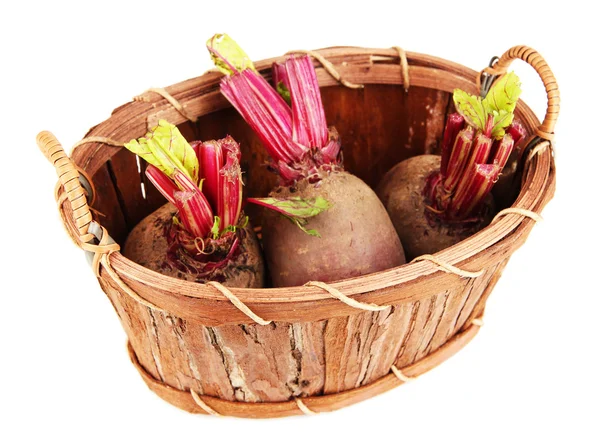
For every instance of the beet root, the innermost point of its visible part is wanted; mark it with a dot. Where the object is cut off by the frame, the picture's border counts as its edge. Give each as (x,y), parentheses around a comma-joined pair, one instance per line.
(402,192)
(148,245)
(357,236)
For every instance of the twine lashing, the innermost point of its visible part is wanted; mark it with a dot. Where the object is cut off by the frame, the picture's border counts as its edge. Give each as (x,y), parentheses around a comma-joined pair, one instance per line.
(132,294)
(238,303)
(447,267)
(403,66)
(537,149)
(203,404)
(346,299)
(305,409)
(520,211)
(174,102)
(97,139)
(401,376)
(478,322)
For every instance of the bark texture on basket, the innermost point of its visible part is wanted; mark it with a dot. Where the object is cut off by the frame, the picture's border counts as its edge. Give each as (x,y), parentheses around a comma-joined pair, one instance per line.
(271,363)
(317,344)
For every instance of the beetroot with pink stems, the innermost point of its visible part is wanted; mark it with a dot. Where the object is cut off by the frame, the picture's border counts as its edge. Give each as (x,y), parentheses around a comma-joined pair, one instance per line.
(200,234)
(435,202)
(323,223)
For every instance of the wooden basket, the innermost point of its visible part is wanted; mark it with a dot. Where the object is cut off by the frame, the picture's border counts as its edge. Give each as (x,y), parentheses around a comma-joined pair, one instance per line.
(208,349)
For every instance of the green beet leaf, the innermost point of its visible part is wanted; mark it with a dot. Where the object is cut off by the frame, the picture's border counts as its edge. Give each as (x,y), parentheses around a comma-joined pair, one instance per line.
(296,209)
(284,92)
(471,108)
(165,148)
(504,94)
(296,206)
(227,56)
(502,119)
(501,101)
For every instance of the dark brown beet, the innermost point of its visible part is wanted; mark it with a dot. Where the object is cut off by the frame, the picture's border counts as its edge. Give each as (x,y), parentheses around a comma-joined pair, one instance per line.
(147,245)
(357,235)
(401,191)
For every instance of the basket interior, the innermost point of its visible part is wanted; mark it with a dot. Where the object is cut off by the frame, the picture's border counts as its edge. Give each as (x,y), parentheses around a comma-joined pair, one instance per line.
(379,126)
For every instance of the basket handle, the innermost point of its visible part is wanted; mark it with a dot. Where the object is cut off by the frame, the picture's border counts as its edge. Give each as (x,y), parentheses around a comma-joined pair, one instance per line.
(68,176)
(534,59)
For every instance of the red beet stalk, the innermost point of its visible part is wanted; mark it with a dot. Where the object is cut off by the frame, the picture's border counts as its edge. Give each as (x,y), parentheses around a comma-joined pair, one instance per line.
(471,164)
(454,125)
(296,136)
(202,179)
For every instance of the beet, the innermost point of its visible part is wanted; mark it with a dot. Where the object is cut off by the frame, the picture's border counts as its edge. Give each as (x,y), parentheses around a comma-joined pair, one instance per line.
(325,224)
(358,237)
(402,193)
(148,245)
(435,202)
(202,234)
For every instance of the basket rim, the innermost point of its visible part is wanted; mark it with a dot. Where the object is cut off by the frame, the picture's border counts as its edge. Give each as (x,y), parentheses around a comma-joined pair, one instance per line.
(400,284)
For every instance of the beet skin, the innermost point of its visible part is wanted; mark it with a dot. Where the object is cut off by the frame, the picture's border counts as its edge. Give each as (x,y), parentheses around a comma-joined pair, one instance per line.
(147,245)
(357,236)
(401,191)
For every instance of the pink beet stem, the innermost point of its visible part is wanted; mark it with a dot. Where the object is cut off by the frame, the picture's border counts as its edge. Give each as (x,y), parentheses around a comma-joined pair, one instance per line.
(458,158)
(211,159)
(503,151)
(454,125)
(230,185)
(481,184)
(280,75)
(162,182)
(309,127)
(516,131)
(194,210)
(194,214)
(265,111)
(480,152)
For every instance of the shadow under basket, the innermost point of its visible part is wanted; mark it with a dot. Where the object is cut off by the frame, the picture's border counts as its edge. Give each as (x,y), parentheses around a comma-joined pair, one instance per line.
(302,350)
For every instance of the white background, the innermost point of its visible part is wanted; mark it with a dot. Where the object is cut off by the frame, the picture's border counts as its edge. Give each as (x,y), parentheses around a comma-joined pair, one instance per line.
(64,371)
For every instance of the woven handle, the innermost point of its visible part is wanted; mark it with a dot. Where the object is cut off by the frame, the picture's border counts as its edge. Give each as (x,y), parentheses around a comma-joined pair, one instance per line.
(533,58)
(69,179)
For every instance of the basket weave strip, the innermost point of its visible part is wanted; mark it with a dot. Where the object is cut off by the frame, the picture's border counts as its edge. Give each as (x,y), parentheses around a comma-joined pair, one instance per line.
(97,139)
(345,299)
(318,404)
(101,140)
(447,267)
(176,104)
(328,66)
(403,66)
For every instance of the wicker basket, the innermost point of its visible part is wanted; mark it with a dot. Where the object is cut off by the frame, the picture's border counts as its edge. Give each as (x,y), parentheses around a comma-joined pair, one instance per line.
(207,349)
